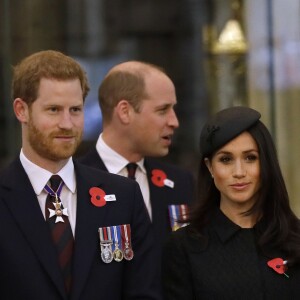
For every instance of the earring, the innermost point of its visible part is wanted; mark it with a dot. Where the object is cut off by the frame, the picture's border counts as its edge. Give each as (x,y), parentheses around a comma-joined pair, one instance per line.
(212,176)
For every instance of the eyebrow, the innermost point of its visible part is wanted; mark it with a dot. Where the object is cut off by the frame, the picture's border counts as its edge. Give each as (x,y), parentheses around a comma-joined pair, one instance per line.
(228,152)
(163,106)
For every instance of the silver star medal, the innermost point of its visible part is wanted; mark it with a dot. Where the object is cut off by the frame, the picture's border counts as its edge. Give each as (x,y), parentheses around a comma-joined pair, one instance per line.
(58,212)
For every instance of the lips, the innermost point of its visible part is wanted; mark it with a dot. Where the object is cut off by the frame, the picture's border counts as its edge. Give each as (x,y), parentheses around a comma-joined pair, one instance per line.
(167,136)
(65,137)
(240,186)
(167,140)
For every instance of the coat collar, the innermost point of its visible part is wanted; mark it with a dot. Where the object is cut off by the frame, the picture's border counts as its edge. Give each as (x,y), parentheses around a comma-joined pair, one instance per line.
(224,227)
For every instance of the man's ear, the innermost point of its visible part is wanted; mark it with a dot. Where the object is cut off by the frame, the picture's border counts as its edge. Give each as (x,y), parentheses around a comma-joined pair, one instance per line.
(21,110)
(124,111)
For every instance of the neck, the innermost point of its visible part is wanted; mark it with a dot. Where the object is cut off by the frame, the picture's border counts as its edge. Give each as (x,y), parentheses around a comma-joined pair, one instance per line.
(52,166)
(121,146)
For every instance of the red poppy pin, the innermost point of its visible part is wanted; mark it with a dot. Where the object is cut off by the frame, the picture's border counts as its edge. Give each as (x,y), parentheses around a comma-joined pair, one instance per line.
(278,265)
(99,197)
(159,178)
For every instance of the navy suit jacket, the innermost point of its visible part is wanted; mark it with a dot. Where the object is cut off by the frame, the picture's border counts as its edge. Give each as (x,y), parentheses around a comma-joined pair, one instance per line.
(29,268)
(160,197)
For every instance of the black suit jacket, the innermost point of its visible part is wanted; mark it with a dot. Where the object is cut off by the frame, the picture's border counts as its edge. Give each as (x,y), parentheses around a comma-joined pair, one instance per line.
(29,268)
(160,197)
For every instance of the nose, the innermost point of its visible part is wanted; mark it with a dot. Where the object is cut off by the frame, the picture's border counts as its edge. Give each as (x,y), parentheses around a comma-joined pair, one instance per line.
(66,120)
(172,120)
(239,169)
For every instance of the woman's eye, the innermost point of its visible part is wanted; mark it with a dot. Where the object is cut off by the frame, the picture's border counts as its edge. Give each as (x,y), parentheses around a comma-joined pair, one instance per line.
(225,159)
(251,157)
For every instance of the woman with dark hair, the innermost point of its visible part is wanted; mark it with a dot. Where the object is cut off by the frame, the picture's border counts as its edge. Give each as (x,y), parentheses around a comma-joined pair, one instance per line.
(243,240)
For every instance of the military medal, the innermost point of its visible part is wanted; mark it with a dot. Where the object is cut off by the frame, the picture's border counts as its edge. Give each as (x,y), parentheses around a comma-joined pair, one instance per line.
(177,212)
(183,213)
(105,244)
(126,235)
(117,252)
(58,210)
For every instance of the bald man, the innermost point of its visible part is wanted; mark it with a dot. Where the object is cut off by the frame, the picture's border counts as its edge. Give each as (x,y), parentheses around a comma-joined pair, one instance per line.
(137,101)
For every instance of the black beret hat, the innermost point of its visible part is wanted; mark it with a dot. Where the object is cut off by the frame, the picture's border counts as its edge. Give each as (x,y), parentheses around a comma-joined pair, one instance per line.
(224,126)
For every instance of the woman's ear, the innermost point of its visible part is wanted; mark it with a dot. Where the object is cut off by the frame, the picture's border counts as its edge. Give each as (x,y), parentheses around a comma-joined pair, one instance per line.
(208,165)
(21,110)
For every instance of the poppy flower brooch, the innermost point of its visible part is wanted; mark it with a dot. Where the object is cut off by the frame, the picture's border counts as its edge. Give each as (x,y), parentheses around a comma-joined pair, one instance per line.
(278,265)
(159,178)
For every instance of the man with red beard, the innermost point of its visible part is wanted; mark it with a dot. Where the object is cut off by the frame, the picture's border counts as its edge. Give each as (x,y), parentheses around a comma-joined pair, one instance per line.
(67,231)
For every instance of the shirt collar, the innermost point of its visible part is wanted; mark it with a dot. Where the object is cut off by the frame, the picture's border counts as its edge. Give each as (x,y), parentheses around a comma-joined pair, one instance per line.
(39,177)
(224,227)
(114,162)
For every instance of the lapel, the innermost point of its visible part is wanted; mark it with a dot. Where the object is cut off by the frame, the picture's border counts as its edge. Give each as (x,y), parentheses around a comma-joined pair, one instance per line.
(93,159)
(157,195)
(87,222)
(24,207)
(159,212)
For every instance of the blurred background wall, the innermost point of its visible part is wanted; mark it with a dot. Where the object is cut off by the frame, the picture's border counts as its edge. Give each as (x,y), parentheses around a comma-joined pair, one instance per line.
(219,53)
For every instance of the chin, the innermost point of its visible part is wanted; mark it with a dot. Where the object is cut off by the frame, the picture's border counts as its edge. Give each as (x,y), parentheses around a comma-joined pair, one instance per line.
(162,153)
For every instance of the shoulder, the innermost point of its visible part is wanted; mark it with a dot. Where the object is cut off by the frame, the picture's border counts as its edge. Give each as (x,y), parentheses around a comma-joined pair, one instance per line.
(187,238)
(91,158)
(92,173)
(12,173)
(183,181)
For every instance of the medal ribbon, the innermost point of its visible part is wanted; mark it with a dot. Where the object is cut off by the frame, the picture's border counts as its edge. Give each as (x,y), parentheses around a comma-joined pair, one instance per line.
(50,191)
(105,244)
(105,235)
(100,234)
(173,214)
(117,236)
(108,235)
(177,212)
(183,211)
(126,235)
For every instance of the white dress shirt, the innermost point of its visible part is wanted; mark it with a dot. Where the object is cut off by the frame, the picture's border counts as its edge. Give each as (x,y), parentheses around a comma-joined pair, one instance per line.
(39,177)
(116,164)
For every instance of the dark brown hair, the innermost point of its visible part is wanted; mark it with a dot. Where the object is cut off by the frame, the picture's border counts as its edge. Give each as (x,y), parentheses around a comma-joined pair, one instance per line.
(281,228)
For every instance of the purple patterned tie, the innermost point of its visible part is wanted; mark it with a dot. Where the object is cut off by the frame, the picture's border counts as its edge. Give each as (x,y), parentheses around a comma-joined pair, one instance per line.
(131,168)
(61,231)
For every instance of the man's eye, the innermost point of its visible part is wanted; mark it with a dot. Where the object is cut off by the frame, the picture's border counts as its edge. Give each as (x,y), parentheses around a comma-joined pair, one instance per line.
(163,110)
(76,109)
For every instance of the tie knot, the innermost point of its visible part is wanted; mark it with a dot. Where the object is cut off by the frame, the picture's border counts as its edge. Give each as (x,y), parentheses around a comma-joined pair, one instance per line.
(55,180)
(131,168)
